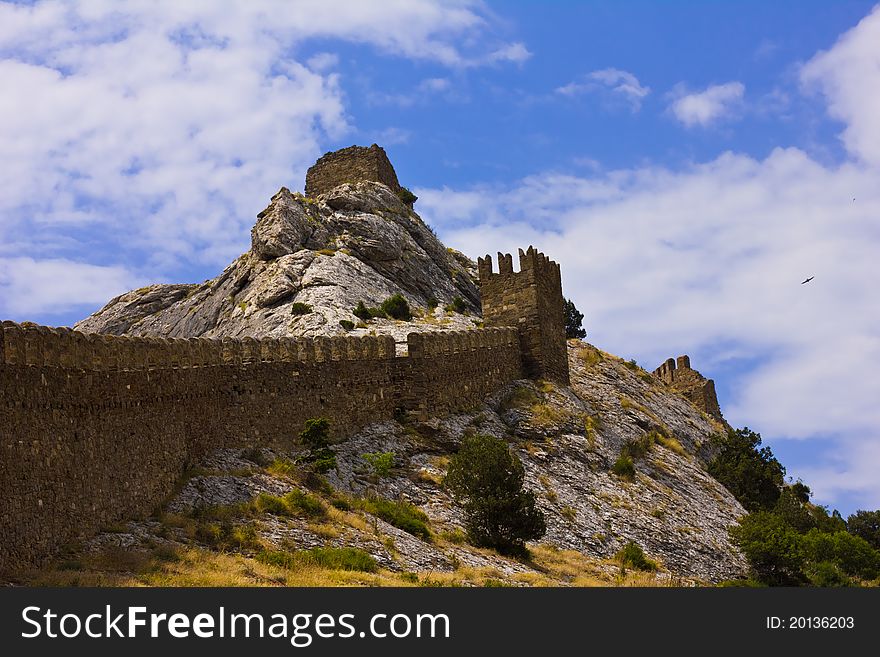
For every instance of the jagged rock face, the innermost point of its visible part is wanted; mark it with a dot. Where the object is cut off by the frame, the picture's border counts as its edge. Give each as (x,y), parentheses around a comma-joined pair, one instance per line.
(357,242)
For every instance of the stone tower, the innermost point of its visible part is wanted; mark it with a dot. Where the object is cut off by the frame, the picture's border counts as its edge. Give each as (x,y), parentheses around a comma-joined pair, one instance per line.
(531,300)
(349,165)
(700,390)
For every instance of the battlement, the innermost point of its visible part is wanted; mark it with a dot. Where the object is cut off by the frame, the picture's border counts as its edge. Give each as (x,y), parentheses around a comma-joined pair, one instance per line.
(530,260)
(350,165)
(678,374)
(530,300)
(41,346)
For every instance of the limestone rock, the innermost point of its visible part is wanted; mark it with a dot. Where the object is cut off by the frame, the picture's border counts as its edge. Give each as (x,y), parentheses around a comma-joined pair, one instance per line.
(356,242)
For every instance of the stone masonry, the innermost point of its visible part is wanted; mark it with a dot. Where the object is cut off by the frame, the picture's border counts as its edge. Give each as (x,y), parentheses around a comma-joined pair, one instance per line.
(95,428)
(349,165)
(698,389)
(530,300)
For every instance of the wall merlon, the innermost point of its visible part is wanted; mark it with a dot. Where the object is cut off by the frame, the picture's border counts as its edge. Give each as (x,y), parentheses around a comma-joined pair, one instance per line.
(505,264)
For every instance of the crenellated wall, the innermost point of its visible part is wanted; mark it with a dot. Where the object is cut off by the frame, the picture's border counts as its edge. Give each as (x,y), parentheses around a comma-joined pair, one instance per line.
(530,300)
(94,428)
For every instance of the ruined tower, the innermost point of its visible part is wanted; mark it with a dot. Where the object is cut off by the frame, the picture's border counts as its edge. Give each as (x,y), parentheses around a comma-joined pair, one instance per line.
(350,165)
(696,387)
(531,300)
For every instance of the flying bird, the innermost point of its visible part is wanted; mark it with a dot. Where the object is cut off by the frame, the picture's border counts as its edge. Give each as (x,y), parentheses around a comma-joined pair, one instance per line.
(808,280)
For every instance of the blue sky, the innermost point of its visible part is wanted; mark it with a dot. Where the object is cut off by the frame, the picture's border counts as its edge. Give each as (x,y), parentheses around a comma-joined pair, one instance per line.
(688,164)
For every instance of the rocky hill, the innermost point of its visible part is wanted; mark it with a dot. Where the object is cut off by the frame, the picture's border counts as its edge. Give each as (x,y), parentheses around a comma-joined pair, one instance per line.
(311,261)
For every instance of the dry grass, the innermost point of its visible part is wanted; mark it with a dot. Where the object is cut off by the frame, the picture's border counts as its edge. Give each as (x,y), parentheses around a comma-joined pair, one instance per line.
(544,415)
(671,443)
(592,424)
(589,355)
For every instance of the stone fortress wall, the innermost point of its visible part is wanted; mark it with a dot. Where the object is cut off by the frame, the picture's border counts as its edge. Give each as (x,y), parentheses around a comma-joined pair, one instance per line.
(530,299)
(96,428)
(698,389)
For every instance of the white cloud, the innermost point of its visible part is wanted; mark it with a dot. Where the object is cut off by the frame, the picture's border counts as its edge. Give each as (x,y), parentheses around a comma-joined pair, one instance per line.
(54,286)
(514,52)
(424,92)
(323,61)
(706,107)
(155,131)
(619,84)
(847,76)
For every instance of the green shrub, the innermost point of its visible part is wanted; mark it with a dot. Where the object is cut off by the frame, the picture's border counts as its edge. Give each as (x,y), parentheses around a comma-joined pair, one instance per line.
(632,556)
(486,480)
(347,324)
(381,462)
(316,436)
(307,505)
(574,320)
(325,557)
(852,554)
(750,472)
(294,503)
(299,308)
(362,312)
(623,467)
(866,524)
(400,514)
(632,364)
(773,549)
(457,306)
(266,503)
(397,307)
(407,196)
(827,574)
(432,303)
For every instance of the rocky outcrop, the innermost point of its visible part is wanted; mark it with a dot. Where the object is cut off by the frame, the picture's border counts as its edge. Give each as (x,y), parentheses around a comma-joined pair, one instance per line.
(311,261)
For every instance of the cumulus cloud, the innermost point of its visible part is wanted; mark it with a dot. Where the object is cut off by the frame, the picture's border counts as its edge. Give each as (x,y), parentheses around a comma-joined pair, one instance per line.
(514,52)
(153,132)
(847,76)
(30,286)
(703,108)
(619,84)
